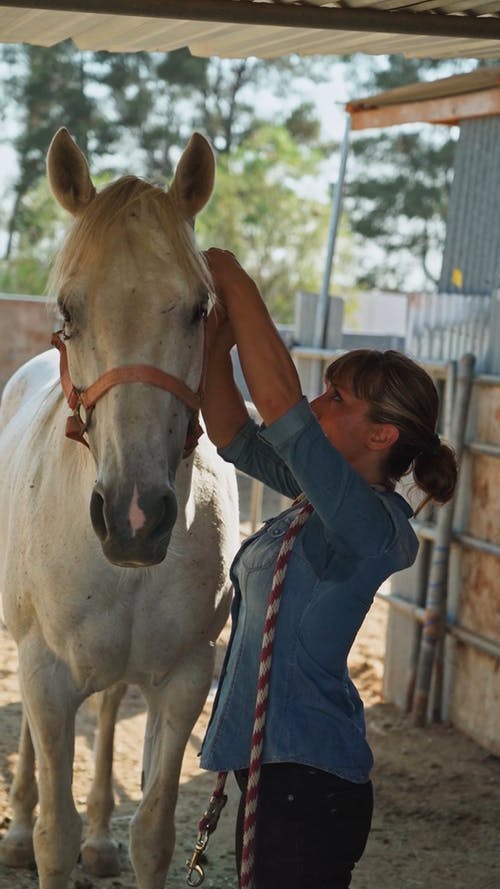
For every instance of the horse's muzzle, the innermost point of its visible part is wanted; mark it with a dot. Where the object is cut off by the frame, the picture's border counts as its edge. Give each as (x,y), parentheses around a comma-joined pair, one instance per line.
(134,543)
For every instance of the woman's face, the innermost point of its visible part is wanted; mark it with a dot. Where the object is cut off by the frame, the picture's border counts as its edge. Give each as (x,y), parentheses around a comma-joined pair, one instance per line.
(343,418)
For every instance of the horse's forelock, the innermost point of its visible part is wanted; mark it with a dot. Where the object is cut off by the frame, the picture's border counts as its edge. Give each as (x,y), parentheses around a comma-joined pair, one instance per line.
(87,238)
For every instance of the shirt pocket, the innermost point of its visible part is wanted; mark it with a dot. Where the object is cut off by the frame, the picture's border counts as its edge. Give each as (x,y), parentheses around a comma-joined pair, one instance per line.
(262,549)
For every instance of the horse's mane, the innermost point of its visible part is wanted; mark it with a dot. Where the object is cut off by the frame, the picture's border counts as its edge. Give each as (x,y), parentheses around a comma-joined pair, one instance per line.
(87,237)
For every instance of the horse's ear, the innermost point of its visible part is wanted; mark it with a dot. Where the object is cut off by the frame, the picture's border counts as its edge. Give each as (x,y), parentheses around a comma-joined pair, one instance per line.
(194,176)
(68,173)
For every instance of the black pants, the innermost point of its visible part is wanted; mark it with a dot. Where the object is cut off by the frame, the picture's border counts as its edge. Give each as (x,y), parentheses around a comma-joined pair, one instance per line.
(312,827)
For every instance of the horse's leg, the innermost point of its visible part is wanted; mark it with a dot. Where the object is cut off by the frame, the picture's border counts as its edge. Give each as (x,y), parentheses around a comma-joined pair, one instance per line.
(51,703)
(16,848)
(172,712)
(99,851)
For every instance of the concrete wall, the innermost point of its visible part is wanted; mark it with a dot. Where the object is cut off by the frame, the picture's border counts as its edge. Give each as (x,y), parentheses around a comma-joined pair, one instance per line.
(25,328)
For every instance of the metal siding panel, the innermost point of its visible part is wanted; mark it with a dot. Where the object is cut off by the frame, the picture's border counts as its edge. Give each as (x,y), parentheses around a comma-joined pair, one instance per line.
(473,226)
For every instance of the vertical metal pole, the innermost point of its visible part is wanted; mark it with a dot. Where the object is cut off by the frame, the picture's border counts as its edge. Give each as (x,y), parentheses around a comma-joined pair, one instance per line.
(321,321)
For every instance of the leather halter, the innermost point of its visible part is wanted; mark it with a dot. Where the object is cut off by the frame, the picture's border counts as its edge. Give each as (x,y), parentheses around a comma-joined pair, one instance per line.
(76,426)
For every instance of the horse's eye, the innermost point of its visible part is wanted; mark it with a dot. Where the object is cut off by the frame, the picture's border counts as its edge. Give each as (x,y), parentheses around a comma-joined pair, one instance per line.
(66,316)
(200,312)
(63,309)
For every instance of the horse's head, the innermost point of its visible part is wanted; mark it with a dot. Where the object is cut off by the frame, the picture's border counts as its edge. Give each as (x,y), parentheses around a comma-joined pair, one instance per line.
(133,291)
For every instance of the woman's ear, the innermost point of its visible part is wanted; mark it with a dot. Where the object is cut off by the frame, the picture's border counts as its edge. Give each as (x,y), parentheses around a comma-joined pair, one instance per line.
(382,436)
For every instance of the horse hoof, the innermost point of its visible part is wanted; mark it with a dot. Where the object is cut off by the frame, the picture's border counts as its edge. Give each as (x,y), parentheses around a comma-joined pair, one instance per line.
(16,849)
(101,858)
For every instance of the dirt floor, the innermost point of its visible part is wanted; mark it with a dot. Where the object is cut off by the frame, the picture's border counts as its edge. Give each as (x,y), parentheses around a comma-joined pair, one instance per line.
(437,815)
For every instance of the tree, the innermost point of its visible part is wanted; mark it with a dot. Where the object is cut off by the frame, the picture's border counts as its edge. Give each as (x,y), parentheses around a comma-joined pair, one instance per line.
(399,182)
(135,112)
(47,89)
(258,213)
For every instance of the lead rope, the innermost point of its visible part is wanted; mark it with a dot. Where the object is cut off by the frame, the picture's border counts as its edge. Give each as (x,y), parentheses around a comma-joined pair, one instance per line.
(208,823)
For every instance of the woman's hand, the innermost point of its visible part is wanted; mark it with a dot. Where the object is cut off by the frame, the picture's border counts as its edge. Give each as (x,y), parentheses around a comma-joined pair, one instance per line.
(231,280)
(223,406)
(220,333)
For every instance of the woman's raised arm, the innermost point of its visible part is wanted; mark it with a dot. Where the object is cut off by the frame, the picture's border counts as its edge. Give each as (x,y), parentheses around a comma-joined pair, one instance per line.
(269,371)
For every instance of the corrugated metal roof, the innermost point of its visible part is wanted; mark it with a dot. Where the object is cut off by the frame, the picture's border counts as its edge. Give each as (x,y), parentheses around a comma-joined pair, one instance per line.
(450,101)
(458,84)
(241,28)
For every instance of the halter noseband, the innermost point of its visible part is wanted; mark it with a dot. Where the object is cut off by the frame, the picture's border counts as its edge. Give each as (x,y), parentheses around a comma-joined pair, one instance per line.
(76,427)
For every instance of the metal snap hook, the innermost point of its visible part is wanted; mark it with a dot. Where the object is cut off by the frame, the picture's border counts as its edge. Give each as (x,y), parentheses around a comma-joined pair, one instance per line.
(196,874)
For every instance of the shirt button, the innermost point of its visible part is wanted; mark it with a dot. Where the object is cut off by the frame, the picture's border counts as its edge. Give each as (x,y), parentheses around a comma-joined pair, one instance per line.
(278,530)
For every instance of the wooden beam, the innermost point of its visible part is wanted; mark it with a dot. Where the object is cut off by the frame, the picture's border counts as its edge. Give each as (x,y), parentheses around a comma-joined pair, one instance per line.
(448,110)
(284,15)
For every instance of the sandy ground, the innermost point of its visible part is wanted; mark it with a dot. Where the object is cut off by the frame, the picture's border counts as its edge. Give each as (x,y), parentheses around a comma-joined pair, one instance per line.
(437,815)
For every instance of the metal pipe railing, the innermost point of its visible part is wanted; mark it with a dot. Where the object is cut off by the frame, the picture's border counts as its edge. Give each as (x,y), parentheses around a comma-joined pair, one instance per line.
(468,637)
(468,541)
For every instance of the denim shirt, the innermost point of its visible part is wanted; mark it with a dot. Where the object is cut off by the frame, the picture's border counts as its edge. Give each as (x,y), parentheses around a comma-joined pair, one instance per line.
(355,539)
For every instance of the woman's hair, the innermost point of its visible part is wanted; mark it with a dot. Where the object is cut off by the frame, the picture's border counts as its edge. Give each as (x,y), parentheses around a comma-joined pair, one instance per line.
(400,392)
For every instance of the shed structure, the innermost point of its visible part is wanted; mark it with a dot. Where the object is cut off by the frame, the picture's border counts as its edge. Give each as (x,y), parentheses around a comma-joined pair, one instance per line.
(471,259)
(443,645)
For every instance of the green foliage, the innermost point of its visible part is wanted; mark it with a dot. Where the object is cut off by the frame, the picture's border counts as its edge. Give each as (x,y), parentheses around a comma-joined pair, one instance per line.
(23,274)
(41,225)
(257,213)
(134,113)
(39,228)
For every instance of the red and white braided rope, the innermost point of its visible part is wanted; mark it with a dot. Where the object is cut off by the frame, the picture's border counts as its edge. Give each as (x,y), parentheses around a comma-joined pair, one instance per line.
(208,824)
(252,792)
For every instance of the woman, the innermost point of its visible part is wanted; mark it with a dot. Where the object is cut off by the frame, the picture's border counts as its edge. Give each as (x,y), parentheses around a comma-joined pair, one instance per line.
(343,453)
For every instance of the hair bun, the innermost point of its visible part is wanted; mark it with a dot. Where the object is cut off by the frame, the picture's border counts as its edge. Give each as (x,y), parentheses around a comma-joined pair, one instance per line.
(433,446)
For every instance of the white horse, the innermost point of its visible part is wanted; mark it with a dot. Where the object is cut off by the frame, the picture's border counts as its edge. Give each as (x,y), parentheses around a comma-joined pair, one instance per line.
(137,591)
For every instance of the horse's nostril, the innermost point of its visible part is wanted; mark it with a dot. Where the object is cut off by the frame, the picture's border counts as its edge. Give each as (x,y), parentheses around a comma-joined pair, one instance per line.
(97,515)
(166,518)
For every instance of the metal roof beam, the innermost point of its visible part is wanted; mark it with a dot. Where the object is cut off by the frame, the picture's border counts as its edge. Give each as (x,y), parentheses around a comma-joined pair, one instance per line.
(288,15)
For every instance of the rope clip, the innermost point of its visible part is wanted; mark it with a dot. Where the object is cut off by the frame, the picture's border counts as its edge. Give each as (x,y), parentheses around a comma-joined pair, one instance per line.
(195,872)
